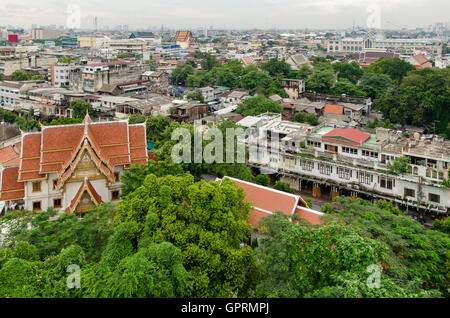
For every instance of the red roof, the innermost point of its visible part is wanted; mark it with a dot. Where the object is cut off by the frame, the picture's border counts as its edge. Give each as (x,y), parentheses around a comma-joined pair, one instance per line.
(11,189)
(334,109)
(7,154)
(57,149)
(307,214)
(348,134)
(266,200)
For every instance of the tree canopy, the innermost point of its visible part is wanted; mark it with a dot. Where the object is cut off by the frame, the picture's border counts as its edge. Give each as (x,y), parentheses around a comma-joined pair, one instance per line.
(258,105)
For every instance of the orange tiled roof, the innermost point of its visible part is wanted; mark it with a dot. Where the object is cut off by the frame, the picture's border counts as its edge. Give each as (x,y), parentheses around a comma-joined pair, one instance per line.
(11,189)
(266,200)
(334,109)
(312,216)
(7,153)
(57,149)
(183,36)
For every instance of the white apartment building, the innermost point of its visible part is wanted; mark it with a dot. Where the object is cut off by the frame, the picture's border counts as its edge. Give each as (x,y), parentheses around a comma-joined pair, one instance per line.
(60,75)
(361,44)
(10,94)
(346,160)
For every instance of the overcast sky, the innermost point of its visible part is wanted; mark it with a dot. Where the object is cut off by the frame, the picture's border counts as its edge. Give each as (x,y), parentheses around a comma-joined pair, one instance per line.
(226,13)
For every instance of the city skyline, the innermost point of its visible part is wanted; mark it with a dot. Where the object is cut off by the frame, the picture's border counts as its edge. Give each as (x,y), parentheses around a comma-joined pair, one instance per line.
(280,14)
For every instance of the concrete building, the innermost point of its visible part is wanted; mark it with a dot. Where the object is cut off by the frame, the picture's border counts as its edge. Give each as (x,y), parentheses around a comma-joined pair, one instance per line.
(129,46)
(10,65)
(349,161)
(361,44)
(92,77)
(93,42)
(44,34)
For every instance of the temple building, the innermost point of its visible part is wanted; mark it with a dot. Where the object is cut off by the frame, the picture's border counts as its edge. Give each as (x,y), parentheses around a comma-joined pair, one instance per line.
(73,168)
(185,39)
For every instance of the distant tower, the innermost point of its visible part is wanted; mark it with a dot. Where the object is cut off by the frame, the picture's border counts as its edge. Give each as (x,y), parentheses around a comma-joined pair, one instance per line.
(95,23)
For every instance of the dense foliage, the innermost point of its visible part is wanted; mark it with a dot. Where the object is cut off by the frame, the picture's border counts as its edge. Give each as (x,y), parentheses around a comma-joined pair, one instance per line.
(20,75)
(415,254)
(258,105)
(421,99)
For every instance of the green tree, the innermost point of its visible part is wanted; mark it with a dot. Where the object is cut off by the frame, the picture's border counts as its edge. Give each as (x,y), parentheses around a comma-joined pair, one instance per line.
(20,75)
(80,107)
(282,186)
(351,72)
(302,117)
(206,221)
(304,72)
(420,100)
(50,237)
(180,74)
(156,126)
(199,79)
(442,226)
(133,178)
(346,87)
(375,85)
(414,254)
(197,96)
(63,121)
(321,81)
(263,180)
(276,68)
(258,105)
(299,259)
(137,119)
(209,62)
(394,67)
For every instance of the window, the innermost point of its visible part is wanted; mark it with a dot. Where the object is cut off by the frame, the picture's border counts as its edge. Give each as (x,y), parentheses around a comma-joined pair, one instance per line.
(386,183)
(351,151)
(37,206)
(307,165)
(115,195)
(364,177)
(410,193)
(314,143)
(371,154)
(344,173)
(57,203)
(117,176)
(54,184)
(37,186)
(325,169)
(434,198)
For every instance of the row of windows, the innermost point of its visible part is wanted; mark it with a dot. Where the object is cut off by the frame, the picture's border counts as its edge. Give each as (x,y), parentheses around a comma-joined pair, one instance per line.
(372,154)
(314,143)
(325,169)
(8,91)
(386,183)
(57,203)
(351,151)
(344,173)
(431,196)
(37,184)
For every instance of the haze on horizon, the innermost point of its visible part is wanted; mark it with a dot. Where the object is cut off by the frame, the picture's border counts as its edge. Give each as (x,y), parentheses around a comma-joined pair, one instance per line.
(232,14)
